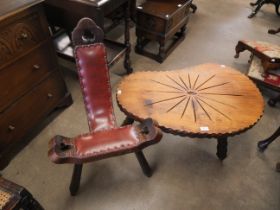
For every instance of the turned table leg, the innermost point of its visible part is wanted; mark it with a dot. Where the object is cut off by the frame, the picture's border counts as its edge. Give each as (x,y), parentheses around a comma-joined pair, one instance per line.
(256,3)
(193,7)
(127,63)
(128,121)
(273,31)
(161,53)
(259,4)
(222,148)
(143,163)
(262,145)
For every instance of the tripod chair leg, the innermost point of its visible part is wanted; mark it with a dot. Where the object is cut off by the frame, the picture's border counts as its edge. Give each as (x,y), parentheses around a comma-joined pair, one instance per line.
(76,178)
(262,145)
(143,163)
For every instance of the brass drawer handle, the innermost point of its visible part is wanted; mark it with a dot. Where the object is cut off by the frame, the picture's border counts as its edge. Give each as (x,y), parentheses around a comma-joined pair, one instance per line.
(11,128)
(50,95)
(36,67)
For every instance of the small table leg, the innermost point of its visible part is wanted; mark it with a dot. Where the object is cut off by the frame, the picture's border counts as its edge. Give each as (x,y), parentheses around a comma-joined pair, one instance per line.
(128,121)
(259,4)
(127,63)
(262,145)
(273,31)
(194,7)
(222,148)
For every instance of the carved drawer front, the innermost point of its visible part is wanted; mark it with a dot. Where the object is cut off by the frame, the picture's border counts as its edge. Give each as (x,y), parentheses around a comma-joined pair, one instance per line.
(178,18)
(20,36)
(155,19)
(25,113)
(150,23)
(21,76)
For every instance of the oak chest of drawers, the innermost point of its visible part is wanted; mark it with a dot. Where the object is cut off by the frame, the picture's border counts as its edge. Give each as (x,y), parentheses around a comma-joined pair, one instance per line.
(161,21)
(31,85)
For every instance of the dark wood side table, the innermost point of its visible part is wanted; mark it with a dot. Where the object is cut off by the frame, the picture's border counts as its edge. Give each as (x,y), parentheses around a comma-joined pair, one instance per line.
(260,3)
(208,100)
(161,21)
(15,197)
(67,13)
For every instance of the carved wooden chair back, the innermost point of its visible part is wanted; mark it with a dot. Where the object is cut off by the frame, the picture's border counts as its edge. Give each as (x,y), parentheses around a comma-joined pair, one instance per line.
(105,138)
(93,72)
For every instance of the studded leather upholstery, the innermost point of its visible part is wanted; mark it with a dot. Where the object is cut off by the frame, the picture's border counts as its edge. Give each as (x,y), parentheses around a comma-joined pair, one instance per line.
(105,139)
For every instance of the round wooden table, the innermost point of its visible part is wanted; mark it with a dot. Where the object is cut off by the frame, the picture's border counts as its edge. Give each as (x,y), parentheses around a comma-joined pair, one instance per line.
(208,100)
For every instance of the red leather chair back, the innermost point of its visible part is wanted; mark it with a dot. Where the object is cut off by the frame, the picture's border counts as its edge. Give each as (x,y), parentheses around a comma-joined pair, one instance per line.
(94,77)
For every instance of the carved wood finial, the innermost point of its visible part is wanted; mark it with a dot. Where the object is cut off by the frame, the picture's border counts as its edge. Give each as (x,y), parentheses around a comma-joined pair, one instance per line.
(87,32)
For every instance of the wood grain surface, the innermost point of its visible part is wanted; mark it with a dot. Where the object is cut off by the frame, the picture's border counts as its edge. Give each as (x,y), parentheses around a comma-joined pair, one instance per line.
(208,100)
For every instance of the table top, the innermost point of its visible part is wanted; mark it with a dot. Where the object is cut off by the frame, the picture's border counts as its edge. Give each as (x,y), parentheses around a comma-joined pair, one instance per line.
(208,100)
(8,7)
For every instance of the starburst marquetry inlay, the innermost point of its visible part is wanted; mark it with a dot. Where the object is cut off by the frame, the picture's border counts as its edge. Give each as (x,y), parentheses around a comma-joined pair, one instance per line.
(193,93)
(208,99)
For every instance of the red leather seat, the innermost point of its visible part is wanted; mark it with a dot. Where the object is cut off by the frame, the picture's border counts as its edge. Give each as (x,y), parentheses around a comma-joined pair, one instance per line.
(105,138)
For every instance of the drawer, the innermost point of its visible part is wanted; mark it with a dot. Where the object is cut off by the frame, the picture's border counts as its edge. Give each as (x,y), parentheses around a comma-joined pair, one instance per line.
(19,77)
(21,34)
(180,16)
(161,17)
(24,114)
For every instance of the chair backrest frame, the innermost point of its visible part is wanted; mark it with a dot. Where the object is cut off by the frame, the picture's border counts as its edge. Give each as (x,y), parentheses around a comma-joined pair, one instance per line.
(93,71)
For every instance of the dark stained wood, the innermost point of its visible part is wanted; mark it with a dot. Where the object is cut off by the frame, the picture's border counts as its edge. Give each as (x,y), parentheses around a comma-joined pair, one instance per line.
(13,196)
(193,7)
(67,13)
(208,100)
(30,81)
(76,178)
(161,21)
(259,3)
(222,148)
(262,145)
(273,31)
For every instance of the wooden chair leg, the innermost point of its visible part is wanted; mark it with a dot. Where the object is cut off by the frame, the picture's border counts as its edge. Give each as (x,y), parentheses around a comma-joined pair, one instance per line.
(262,145)
(143,163)
(76,178)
